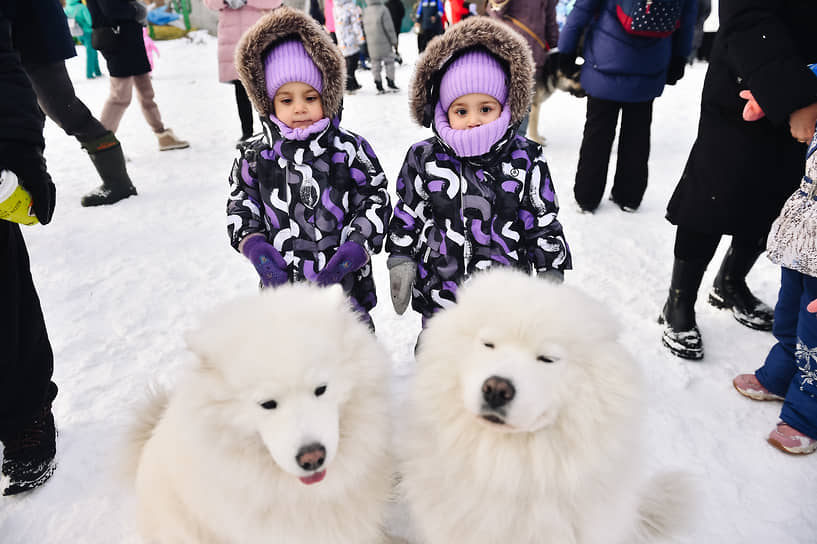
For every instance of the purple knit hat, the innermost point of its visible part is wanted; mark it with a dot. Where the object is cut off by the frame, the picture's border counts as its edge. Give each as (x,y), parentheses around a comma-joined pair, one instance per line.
(474,72)
(287,62)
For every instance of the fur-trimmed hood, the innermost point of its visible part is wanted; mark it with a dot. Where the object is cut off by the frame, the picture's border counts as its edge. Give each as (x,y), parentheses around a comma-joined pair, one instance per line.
(282,23)
(494,36)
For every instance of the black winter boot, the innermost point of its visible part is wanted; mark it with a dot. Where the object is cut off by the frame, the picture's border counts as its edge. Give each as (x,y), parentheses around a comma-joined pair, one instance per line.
(109,161)
(729,291)
(681,335)
(390,84)
(379,85)
(28,455)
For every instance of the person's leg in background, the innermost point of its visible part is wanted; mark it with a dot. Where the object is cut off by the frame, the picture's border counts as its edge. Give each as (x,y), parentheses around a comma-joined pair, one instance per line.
(594,155)
(245,114)
(150,111)
(630,181)
(729,290)
(693,252)
(26,366)
(91,58)
(57,98)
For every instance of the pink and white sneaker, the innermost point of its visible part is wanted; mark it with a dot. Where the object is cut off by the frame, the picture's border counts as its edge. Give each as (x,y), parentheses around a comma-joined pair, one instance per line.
(790,440)
(748,386)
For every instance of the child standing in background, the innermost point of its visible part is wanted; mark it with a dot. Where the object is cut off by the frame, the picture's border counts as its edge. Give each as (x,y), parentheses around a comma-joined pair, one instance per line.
(308,199)
(76,10)
(349,33)
(475,194)
(382,41)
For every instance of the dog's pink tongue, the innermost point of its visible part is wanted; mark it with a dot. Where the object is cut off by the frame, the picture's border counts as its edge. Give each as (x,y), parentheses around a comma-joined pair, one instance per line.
(314,478)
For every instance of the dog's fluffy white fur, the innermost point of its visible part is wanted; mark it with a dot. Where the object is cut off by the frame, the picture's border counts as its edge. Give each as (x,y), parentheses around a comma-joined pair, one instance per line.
(554,457)
(214,465)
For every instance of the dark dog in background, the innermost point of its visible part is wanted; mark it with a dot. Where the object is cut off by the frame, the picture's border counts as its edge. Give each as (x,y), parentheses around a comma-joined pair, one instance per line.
(553,78)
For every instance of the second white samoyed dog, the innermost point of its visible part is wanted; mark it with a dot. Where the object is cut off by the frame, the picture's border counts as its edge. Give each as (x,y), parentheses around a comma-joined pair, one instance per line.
(280,434)
(524,424)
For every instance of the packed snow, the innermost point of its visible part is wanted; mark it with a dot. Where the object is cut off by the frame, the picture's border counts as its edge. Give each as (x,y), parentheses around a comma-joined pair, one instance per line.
(121,284)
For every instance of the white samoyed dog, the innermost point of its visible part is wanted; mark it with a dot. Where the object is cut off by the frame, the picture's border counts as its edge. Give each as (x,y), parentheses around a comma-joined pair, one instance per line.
(280,434)
(524,424)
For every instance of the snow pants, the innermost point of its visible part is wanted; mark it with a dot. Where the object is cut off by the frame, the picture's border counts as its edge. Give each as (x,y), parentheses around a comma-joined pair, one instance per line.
(26,360)
(120,97)
(630,180)
(790,369)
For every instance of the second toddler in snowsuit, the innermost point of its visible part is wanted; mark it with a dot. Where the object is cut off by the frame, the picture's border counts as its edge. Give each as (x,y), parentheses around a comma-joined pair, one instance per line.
(475,194)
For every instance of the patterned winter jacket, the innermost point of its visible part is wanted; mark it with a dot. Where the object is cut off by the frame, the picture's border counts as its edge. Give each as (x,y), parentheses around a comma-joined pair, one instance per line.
(309,197)
(456,215)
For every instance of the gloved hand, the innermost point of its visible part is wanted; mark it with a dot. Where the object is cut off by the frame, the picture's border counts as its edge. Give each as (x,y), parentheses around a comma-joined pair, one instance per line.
(235,4)
(567,64)
(349,257)
(402,271)
(28,164)
(552,275)
(677,65)
(268,262)
(140,12)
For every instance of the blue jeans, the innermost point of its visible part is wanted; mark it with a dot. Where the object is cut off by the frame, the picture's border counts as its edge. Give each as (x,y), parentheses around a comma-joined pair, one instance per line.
(790,369)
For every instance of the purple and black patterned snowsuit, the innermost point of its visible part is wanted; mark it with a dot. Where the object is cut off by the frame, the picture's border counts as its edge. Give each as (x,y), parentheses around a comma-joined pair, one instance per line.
(456,216)
(309,197)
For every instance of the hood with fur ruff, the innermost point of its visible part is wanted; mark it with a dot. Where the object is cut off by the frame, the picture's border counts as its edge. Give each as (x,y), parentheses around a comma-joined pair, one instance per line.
(286,22)
(497,38)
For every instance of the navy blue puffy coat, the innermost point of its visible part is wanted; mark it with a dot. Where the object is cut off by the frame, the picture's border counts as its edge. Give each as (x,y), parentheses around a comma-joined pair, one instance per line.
(619,66)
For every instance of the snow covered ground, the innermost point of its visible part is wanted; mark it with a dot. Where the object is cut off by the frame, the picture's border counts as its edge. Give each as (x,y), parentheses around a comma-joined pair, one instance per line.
(120,284)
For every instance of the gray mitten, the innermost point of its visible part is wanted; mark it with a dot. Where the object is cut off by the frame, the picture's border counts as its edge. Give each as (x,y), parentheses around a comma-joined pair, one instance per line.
(552,275)
(402,271)
(235,4)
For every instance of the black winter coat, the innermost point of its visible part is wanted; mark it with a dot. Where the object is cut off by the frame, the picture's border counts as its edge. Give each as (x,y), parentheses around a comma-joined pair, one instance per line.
(40,31)
(739,173)
(131,59)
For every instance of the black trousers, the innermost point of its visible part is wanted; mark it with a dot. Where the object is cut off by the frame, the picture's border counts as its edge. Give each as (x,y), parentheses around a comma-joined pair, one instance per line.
(26,360)
(630,179)
(700,246)
(57,99)
(244,109)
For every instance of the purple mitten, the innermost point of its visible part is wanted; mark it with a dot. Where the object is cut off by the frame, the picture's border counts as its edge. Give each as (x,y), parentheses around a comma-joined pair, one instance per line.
(269,263)
(349,257)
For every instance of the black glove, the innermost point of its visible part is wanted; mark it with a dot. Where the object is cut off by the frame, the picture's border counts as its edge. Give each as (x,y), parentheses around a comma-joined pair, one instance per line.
(27,162)
(567,64)
(140,13)
(676,70)
(552,62)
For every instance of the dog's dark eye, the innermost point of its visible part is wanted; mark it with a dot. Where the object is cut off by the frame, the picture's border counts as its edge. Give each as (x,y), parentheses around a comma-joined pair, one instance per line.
(320,391)
(488,345)
(269,405)
(546,359)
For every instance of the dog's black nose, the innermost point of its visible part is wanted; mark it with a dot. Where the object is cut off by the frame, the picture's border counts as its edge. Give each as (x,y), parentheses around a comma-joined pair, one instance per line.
(311,456)
(497,391)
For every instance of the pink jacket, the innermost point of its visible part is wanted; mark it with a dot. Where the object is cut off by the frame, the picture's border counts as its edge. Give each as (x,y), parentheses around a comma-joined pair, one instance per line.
(232,23)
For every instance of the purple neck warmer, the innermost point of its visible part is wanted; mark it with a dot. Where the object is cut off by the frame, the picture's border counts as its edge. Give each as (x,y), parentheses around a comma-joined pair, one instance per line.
(300,133)
(475,141)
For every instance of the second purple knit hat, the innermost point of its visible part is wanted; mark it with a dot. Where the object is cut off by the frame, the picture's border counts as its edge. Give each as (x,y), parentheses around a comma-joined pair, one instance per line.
(473,72)
(287,62)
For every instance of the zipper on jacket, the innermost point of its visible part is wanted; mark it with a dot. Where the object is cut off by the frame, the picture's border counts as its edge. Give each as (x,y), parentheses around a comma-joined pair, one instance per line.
(467,248)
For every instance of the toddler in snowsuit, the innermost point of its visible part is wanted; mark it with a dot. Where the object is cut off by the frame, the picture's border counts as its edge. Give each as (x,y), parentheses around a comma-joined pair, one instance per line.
(789,372)
(76,10)
(349,32)
(475,194)
(308,199)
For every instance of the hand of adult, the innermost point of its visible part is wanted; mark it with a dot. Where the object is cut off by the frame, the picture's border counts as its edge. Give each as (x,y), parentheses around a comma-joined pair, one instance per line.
(349,257)
(140,11)
(802,123)
(752,110)
(28,165)
(675,71)
(268,262)
(812,306)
